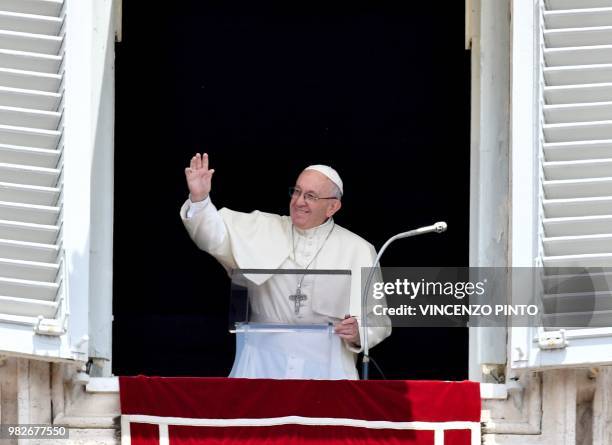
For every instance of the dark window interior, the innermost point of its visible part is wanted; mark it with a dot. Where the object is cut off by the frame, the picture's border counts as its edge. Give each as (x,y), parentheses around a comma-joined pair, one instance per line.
(379,90)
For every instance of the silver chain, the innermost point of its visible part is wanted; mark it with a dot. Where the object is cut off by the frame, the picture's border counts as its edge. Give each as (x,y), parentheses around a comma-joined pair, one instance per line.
(299,286)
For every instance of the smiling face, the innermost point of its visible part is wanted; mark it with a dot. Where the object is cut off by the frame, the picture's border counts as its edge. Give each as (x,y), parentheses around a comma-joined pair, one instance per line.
(308,214)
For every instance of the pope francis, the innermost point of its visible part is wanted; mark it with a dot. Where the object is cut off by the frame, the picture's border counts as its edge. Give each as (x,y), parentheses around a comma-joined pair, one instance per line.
(307,239)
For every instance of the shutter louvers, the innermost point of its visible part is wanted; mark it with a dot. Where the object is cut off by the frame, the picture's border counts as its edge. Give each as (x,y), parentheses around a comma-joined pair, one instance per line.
(576,163)
(577,133)
(31,258)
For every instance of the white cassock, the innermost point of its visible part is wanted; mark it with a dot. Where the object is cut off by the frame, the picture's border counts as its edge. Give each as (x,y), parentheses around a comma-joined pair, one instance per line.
(260,240)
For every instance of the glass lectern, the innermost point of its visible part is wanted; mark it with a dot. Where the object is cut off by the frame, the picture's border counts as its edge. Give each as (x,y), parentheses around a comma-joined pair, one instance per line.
(284,323)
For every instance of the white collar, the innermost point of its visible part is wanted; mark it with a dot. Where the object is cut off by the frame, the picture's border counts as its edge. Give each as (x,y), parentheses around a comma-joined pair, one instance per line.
(314,231)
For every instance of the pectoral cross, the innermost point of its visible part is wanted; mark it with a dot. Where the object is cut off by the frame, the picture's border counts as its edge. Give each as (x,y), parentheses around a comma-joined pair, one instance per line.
(297,299)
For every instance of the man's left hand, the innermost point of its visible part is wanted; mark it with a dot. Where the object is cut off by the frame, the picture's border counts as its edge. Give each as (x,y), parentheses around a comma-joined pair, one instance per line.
(348,329)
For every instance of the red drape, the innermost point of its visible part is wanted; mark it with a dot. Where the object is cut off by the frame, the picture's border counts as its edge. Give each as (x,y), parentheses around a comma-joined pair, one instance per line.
(214,411)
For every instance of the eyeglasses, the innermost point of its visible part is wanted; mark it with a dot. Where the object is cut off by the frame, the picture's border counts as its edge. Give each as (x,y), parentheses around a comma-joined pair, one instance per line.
(295,192)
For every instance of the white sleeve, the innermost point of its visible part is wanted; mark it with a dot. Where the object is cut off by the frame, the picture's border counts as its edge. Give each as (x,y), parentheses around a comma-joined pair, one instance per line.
(204,224)
(196,207)
(379,326)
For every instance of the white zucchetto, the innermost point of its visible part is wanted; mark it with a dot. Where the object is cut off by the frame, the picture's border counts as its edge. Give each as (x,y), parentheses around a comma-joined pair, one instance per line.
(329,172)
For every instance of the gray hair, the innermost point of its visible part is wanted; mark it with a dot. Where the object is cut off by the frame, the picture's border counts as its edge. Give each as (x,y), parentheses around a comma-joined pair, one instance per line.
(335,191)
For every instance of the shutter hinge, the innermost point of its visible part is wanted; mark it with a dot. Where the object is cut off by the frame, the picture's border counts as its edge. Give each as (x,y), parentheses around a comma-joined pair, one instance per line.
(46,326)
(552,340)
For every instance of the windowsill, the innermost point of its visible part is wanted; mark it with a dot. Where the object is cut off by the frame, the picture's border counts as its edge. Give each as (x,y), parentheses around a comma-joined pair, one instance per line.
(493,391)
(488,391)
(102,385)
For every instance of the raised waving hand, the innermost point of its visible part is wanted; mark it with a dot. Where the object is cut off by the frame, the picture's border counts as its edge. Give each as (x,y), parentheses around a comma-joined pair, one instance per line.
(199,177)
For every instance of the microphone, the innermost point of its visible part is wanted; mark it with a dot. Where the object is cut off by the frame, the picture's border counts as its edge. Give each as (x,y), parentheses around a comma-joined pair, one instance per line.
(438,227)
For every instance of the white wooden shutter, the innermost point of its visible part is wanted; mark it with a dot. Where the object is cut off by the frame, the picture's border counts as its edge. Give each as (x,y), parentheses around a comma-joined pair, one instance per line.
(574,220)
(33,296)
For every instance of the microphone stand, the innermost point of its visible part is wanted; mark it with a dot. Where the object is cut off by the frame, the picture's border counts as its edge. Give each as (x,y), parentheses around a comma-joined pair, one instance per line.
(438,227)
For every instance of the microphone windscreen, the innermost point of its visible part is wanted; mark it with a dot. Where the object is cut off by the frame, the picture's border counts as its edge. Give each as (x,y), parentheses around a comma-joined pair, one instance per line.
(440,227)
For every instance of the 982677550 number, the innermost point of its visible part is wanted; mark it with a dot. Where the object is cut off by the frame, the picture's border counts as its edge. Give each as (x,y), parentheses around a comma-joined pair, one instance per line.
(33,432)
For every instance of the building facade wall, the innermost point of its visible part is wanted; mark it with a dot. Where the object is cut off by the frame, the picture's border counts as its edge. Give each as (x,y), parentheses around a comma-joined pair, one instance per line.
(554,407)
(43,393)
(561,407)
